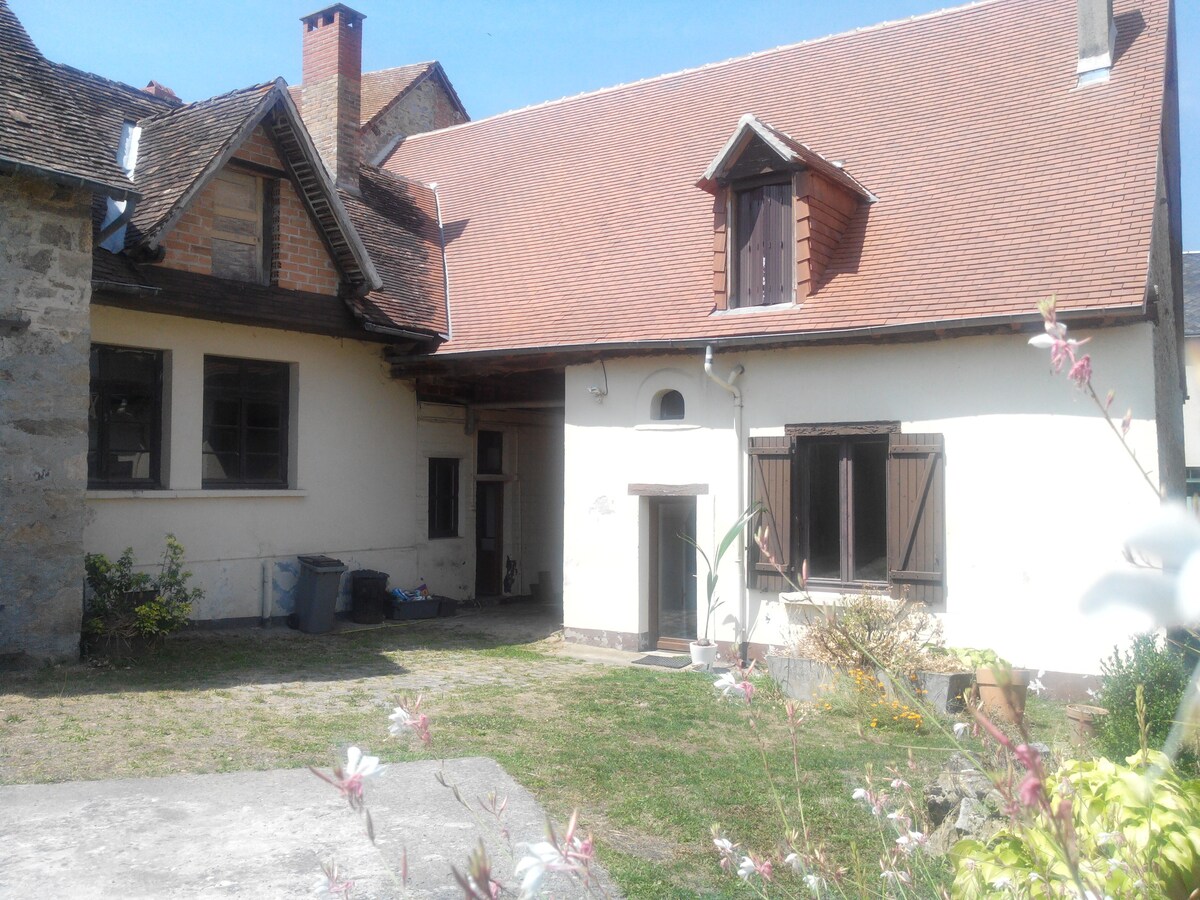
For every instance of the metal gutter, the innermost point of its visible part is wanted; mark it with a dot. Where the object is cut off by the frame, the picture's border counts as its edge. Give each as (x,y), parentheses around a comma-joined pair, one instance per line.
(398,332)
(773,339)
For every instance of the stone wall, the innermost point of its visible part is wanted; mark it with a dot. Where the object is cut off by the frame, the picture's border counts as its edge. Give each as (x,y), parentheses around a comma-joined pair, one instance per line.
(426,108)
(45,281)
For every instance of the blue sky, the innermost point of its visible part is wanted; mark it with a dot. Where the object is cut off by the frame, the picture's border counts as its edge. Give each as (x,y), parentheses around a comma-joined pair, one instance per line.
(501,54)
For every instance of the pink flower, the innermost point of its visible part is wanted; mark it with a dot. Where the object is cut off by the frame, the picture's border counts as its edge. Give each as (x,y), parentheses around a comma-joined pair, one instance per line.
(1031,790)
(1081,371)
(407,716)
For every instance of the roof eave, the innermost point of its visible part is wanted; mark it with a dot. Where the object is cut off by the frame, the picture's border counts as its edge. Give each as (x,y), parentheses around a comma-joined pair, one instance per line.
(68,179)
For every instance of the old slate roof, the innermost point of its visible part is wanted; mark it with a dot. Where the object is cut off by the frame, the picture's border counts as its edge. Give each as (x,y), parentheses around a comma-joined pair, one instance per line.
(177,147)
(1191,292)
(53,119)
(397,219)
(383,88)
(579,222)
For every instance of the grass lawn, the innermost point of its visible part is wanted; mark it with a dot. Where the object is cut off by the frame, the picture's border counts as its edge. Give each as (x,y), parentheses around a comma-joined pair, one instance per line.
(651,758)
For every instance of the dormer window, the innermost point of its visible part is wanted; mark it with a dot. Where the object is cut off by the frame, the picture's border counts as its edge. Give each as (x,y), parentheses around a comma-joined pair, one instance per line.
(763,247)
(780,211)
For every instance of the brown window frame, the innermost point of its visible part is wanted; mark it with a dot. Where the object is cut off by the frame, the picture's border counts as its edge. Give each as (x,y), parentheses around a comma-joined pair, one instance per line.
(443,518)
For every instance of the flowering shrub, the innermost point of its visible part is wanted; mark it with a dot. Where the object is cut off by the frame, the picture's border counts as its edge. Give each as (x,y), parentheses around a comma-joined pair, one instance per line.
(859,693)
(1131,831)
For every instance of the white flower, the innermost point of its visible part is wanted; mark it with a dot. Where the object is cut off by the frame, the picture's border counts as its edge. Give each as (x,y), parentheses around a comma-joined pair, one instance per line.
(360,766)
(1106,837)
(747,868)
(860,794)
(910,841)
(534,865)
(960,730)
(899,783)
(814,883)
(1036,685)
(893,875)
(1163,591)
(725,846)
(1002,882)
(401,719)
(726,684)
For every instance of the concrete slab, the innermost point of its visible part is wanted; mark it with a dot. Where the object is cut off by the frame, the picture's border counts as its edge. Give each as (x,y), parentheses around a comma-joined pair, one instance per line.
(260,834)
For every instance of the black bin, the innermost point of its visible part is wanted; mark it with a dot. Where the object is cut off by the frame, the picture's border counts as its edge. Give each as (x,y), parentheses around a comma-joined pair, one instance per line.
(369,598)
(317,593)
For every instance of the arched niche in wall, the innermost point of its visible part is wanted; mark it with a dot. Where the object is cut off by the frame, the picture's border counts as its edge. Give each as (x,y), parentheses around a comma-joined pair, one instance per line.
(667,406)
(666,396)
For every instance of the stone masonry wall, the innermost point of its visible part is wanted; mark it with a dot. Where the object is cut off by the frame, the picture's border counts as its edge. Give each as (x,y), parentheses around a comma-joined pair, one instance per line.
(45,280)
(426,108)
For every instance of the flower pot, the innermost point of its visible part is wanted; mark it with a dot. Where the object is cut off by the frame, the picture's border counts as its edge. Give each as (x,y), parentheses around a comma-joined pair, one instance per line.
(1085,720)
(1002,693)
(703,654)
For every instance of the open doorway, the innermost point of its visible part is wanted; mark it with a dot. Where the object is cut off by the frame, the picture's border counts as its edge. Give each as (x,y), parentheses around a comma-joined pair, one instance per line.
(672,572)
(489,514)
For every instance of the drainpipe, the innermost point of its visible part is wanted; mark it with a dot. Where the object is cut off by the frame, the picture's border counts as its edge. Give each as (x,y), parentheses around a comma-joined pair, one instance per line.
(268,601)
(743,597)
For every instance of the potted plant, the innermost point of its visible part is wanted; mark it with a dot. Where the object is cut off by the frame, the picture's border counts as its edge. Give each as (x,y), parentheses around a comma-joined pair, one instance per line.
(127,612)
(1000,687)
(704,651)
(1085,720)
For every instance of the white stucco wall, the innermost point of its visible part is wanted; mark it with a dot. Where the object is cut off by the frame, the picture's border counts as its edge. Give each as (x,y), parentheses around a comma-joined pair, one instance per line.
(1191,408)
(1038,491)
(360,451)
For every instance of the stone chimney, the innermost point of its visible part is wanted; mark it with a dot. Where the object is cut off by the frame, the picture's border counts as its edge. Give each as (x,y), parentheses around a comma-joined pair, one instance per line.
(1097,39)
(332,76)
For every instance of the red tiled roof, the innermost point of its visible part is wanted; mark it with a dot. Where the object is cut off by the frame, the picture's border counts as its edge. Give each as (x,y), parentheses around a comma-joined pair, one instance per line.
(580,222)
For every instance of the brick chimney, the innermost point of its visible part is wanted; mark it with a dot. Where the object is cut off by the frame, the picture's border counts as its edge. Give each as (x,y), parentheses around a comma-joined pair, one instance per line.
(1097,40)
(332,75)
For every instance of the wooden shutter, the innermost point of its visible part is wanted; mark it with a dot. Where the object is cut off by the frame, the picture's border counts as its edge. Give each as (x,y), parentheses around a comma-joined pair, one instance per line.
(765,248)
(237,250)
(916,501)
(771,488)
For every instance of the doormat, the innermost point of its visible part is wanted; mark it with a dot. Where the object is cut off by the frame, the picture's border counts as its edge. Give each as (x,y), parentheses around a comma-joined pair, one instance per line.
(667,662)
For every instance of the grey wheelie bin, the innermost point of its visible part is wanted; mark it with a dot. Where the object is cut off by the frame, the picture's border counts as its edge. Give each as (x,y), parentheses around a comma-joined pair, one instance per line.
(317,593)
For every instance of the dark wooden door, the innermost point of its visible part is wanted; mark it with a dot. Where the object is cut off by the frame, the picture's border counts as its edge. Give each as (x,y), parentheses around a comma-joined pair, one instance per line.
(489,534)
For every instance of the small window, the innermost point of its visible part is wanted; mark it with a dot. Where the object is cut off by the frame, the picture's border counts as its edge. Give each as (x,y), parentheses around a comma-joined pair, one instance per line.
(843,509)
(763,248)
(245,423)
(125,418)
(443,497)
(668,405)
(490,450)
(240,246)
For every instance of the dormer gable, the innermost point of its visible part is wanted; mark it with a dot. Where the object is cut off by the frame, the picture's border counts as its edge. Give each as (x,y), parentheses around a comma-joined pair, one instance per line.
(780,212)
(218,174)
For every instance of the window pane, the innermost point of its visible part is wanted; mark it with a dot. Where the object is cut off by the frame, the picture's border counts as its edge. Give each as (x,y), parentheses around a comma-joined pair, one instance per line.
(824,511)
(670,405)
(124,412)
(245,432)
(443,497)
(870,511)
(491,452)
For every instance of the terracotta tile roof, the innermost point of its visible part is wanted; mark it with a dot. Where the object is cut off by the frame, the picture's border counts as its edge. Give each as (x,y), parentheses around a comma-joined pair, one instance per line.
(1191,292)
(384,87)
(579,222)
(397,220)
(57,120)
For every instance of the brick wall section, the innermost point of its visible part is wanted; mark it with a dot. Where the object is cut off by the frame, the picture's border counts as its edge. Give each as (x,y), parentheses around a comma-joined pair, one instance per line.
(332,78)
(45,278)
(303,263)
(426,107)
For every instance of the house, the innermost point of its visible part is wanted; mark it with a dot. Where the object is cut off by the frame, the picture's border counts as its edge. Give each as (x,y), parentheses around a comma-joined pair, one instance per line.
(543,345)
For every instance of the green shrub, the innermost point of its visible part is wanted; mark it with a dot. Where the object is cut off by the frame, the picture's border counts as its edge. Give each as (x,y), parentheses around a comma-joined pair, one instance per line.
(125,604)
(1164,671)
(1136,832)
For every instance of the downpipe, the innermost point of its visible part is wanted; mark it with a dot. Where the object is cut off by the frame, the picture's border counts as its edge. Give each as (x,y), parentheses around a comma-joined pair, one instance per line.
(730,385)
